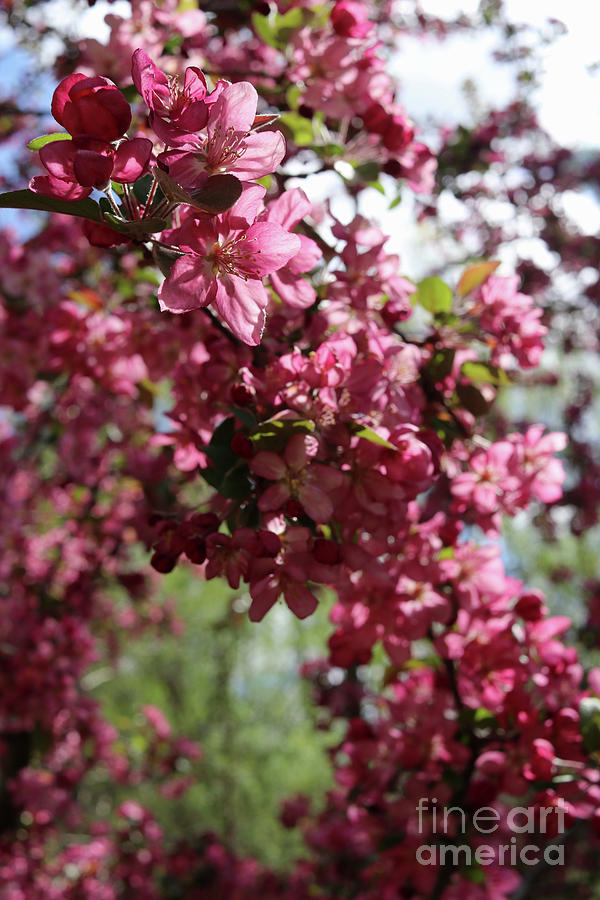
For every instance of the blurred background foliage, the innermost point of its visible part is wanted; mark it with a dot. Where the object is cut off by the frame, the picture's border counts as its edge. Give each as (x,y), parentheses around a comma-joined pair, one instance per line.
(233,686)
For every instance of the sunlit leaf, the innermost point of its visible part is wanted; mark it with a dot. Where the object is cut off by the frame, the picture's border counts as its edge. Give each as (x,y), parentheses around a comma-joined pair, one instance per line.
(41,141)
(484,373)
(474,276)
(434,295)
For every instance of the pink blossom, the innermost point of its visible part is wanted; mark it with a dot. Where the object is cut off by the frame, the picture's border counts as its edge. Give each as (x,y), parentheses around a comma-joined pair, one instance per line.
(350,19)
(177,111)
(231,145)
(296,477)
(287,211)
(226,259)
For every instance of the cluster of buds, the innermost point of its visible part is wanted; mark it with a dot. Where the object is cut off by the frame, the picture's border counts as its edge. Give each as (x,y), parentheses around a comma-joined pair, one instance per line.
(210,148)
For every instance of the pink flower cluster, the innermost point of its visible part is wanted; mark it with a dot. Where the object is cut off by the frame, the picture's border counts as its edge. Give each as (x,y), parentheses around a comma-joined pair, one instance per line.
(347,455)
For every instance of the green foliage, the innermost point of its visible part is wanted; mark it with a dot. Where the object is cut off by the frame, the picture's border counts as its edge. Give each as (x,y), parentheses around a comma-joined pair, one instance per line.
(233,687)
(484,373)
(589,712)
(434,295)
(83,209)
(39,142)
(276,30)
(298,128)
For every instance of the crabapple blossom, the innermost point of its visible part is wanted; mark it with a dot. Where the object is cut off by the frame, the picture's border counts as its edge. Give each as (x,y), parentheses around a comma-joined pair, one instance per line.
(226,258)
(177,110)
(230,144)
(324,433)
(297,477)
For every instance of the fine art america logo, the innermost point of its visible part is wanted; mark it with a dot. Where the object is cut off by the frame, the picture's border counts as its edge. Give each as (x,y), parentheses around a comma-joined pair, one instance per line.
(451,822)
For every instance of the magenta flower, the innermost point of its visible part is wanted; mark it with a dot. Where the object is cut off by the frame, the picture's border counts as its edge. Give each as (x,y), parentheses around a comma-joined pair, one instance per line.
(227,257)
(297,478)
(91,107)
(177,111)
(75,167)
(351,19)
(287,210)
(230,144)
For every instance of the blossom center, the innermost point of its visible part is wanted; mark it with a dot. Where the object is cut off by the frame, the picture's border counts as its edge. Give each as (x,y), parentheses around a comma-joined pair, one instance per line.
(234,257)
(224,147)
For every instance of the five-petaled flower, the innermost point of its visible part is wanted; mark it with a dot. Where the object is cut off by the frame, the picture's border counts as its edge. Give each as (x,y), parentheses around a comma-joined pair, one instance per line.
(226,258)
(177,111)
(230,144)
(297,478)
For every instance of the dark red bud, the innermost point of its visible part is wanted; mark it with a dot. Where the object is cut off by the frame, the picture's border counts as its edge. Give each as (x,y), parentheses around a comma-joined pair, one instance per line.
(163,562)
(271,542)
(327,552)
(242,445)
(195,551)
(293,508)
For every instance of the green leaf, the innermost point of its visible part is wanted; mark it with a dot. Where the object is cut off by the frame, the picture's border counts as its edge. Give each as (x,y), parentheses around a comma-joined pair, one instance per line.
(41,141)
(292,96)
(274,434)
(141,188)
(299,129)
(138,229)
(236,485)
(434,295)
(130,93)
(264,30)
(484,373)
(327,151)
(368,171)
(589,715)
(218,194)
(223,433)
(363,431)
(82,209)
(276,30)
(440,364)
(483,716)
(377,186)
(293,18)
(243,415)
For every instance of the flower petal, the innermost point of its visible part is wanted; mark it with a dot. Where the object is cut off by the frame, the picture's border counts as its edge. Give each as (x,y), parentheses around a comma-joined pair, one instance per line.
(55,187)
(274,497)
(289,208)
(268,465)
(300,600)
(316,503)
(241,304)
(235,108)
(308,256)
(264,151)
(294,290)
(264,595)
(131,160)
(269,247)
(186,287)
(146,76)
